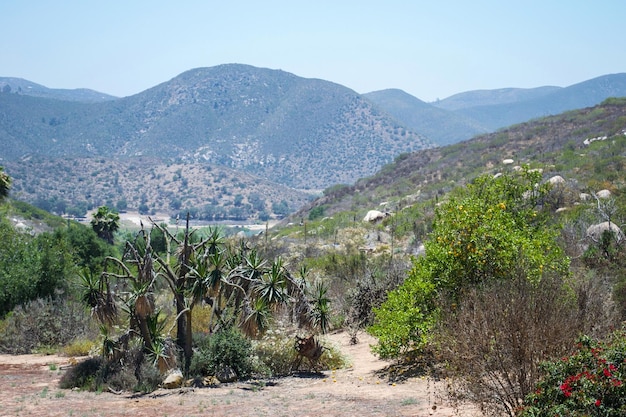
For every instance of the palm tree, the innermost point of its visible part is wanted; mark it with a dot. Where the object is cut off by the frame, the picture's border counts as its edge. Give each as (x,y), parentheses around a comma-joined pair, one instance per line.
(5,184)
(105,223)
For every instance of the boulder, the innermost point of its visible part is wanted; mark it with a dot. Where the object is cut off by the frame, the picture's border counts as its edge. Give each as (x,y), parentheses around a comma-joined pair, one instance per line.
(557,179)
(373,216)
(174,380)
(603,194)
(595,231)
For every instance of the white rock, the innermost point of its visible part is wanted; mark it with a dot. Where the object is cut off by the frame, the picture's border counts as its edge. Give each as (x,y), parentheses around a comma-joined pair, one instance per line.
(557,179)
(174,380)
(595,231)
(374,216)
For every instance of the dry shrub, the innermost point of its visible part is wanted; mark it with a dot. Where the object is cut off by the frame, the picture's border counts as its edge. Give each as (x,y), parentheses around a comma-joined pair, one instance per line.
(495,339)
(45,325)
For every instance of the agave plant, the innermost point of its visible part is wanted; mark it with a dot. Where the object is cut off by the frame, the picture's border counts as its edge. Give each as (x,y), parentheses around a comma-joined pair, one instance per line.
(271,288)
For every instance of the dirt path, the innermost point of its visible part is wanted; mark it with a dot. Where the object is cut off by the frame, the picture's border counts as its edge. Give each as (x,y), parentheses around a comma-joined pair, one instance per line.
(29,387)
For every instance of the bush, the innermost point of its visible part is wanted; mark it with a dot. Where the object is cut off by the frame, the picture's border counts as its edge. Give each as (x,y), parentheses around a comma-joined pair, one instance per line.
(132,372)
(44,324)
(228,347)
(589,382)
(275,355)
(479,236)
(497,336)
(78,347)
(83,375)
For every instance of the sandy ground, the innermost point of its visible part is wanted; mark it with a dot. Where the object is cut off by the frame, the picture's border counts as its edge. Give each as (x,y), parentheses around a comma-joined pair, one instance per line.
(29,387)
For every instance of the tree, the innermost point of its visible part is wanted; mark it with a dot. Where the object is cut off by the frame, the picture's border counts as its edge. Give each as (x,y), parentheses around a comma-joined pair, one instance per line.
(5,184)
(105,223)
(242,288)
(479,235)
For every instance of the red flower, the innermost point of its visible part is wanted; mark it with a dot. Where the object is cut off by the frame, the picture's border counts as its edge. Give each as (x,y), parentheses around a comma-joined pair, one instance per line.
(598,402)
(606,372)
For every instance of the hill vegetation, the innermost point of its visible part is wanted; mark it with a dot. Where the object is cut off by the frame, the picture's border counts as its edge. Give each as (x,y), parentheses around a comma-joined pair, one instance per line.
(302,133)
(491,261)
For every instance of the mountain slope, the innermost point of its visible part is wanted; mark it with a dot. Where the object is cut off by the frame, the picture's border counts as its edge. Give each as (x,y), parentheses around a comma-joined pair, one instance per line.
(478,98)
(464,115)
(303,133)
(584,94)
(558,144)
(441,126)
(28,88)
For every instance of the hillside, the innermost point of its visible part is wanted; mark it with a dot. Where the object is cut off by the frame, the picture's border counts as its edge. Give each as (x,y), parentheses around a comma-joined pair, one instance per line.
(464,115)
(74,185)
(547,101)
(28,88)
(302,133)
(559,145)
(440,125)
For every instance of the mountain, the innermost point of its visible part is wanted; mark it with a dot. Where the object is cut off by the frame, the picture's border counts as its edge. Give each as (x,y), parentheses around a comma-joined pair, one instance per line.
(478,98)
(464,115)
(440,125)
(587,147)
(28,88)
(538,102)
(302,133)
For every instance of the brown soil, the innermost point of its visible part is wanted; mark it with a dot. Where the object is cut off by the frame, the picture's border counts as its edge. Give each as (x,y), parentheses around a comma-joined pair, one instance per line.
(29,387)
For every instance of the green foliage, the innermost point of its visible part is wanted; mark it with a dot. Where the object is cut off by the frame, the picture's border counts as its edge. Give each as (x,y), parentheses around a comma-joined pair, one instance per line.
(5,184)
(87,250)
(316,212)
(405,319)
(479,235)
(105,223)
(31,267)
(228,347)
(589,382)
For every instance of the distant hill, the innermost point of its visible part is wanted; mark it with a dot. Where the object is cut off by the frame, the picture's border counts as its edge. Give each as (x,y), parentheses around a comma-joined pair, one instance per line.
(28,88)
(303,133)
(440,125)
(463,115)
(479,98)
(545,102)
(560,145)
(236,141)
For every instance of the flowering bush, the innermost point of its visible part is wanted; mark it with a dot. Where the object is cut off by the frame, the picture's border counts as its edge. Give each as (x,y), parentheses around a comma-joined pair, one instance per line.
(590,382)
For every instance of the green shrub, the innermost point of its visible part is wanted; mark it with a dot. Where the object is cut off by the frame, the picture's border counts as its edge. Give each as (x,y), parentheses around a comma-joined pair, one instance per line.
(227,347)
(78,347)
(589,382)
(275,355)
(83,375)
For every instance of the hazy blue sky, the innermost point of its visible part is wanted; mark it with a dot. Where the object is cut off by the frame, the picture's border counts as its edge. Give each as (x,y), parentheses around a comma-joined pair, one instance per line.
(431,49)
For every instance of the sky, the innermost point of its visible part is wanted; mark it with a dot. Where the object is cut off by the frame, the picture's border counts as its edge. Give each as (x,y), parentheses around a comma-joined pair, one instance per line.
(430,49)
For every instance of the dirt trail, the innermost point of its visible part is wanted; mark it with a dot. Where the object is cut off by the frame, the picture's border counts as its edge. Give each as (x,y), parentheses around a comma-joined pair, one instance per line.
(29,387)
